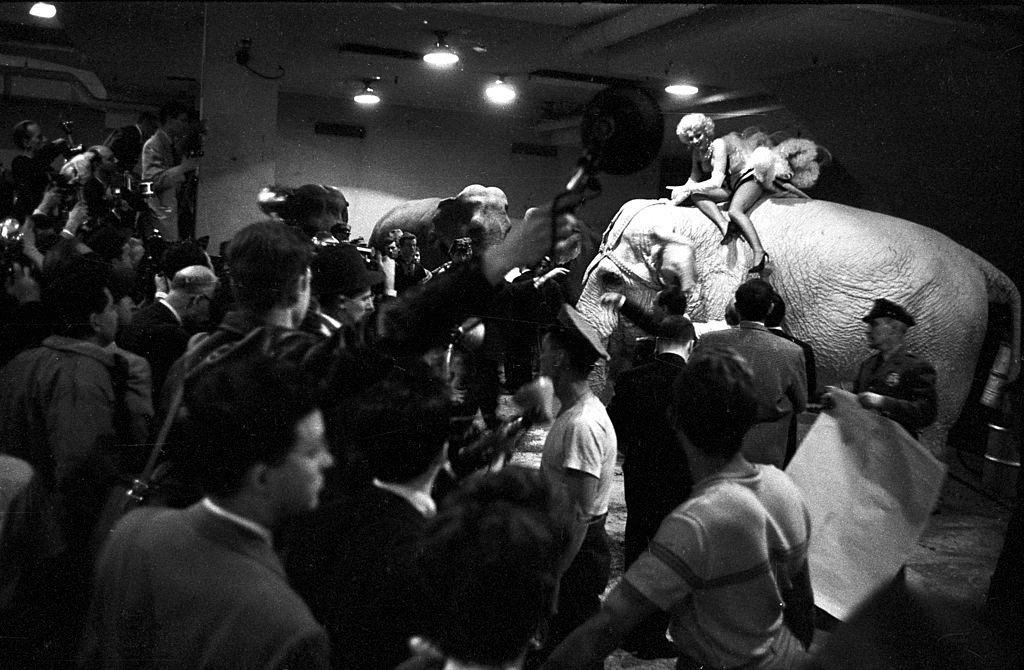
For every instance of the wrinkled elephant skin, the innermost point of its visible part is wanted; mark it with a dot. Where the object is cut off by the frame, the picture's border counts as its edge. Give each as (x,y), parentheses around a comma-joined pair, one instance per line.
(831,261)
(477,212)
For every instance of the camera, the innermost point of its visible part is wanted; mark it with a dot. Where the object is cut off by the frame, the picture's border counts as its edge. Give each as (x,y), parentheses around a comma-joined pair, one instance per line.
(476,449)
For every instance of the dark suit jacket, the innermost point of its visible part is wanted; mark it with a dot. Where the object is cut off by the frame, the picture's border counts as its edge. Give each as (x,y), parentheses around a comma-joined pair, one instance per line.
(352,560)
(189,589)
(780,382)
(810,367)
(638,411)
(157,336)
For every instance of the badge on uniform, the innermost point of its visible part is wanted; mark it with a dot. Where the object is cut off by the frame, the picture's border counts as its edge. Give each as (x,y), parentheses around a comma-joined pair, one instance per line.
(892,379)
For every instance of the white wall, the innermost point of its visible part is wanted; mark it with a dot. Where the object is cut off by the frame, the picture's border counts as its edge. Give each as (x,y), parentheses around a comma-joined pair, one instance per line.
(415,153)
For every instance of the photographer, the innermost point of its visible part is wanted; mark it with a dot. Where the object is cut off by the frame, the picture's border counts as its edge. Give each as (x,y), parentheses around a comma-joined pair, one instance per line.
(162,165)
(315,209)
(31,171)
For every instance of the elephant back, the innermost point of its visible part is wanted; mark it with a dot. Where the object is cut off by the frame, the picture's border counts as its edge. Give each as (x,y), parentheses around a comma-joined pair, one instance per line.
(416,217)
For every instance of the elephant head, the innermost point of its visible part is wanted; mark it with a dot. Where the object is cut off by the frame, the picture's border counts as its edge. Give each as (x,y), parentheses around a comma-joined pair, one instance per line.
(477,212)
(831,262)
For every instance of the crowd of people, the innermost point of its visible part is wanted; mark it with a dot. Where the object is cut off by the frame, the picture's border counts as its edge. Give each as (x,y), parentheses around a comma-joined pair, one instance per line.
(314,485)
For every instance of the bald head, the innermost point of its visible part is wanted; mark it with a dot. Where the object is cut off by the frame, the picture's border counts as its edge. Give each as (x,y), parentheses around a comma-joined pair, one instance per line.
(194,280)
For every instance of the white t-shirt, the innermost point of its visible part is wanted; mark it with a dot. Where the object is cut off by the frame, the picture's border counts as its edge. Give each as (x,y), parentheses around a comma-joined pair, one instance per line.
(582,438)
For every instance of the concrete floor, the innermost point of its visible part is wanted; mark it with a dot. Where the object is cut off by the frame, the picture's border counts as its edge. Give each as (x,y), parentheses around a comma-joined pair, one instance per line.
(935,618)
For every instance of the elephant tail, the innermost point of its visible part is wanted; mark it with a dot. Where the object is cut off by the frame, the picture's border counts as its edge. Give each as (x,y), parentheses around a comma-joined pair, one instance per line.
(1003,291)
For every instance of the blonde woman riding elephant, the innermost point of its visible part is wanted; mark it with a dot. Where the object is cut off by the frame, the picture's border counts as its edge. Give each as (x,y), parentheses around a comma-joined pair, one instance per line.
(831,262)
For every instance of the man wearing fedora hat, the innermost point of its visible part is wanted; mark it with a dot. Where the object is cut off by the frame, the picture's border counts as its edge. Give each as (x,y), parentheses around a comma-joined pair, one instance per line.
(894,381)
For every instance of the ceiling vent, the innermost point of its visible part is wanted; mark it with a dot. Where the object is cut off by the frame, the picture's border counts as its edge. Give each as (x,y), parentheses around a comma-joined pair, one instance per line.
(544,150)
(584,78)
(373,50)
(339,129)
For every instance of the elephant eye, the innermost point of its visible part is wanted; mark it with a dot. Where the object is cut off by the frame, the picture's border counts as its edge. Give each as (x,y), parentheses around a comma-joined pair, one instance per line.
(611,280)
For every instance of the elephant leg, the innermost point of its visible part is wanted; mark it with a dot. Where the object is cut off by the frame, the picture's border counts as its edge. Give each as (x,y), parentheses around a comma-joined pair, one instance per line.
(747,193)
(708,202)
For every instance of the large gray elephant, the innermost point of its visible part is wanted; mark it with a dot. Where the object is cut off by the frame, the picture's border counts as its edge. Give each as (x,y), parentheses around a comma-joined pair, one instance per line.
(478,212)
(830,262)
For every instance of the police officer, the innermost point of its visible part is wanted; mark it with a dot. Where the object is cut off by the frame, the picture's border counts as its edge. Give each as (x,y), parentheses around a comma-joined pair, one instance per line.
(897,383)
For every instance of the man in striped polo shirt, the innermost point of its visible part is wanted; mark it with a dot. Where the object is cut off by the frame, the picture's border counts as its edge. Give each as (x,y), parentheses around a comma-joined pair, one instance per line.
(729,564)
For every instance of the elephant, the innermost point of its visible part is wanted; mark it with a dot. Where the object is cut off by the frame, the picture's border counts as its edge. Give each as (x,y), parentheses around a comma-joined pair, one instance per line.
(478,212)
(830,262)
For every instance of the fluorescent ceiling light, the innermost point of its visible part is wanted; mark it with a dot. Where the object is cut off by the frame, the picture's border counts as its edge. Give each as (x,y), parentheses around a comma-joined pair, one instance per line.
(43,10)
(367,96)
(681,89)
(500,92)
(441,54)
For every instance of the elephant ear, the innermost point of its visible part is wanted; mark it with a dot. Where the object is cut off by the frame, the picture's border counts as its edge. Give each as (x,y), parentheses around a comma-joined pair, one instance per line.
(673,258)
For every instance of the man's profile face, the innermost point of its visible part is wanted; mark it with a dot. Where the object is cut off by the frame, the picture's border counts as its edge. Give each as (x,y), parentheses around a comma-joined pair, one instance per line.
(880,331)
(177,125)
(299,479)
(105,322)
(408,250)
(358,307)
(36,139)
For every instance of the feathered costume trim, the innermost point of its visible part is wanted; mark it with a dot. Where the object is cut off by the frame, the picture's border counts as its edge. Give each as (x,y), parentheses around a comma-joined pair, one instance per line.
(796,160)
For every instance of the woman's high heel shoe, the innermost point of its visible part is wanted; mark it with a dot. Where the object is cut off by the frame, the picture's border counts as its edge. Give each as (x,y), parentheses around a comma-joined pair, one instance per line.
(759,268)
(731,233)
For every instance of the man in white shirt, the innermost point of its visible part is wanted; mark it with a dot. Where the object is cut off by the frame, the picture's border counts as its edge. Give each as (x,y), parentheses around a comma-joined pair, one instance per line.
(579,454)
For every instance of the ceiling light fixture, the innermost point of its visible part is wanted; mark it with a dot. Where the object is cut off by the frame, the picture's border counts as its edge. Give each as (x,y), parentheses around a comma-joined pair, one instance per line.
(681,89)
(43,10)
(367,96)
(500,92)
(441,55)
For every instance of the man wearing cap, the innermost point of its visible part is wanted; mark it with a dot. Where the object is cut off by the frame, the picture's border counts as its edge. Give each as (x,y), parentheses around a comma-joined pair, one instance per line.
(897,383)
(579,453)
(342,286)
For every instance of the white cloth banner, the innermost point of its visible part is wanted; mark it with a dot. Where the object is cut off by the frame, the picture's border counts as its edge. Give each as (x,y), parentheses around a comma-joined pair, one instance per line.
(870,488)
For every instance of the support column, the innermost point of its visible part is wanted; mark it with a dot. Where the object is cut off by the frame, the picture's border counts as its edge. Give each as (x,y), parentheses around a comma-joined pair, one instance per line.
(240,109)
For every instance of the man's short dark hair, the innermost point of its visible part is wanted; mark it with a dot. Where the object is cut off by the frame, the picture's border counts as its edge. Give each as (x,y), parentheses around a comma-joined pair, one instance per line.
(778,313)
(672,300)
(490,560)
(76,292)
(242,411)
(398,426)
(179,255)
(20,133)
(147,117)
(714,400)
(754,299)
(677,328)
(266,261)
(173,109)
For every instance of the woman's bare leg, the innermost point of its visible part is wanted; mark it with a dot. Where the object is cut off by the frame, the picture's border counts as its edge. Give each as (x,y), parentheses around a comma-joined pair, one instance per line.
(707,203)
(743,199)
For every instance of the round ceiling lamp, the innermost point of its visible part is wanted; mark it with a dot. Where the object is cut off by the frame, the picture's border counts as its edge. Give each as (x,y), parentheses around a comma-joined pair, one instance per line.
(367,96)
(441,54)
(500,92)
(43,10)
(681,90)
